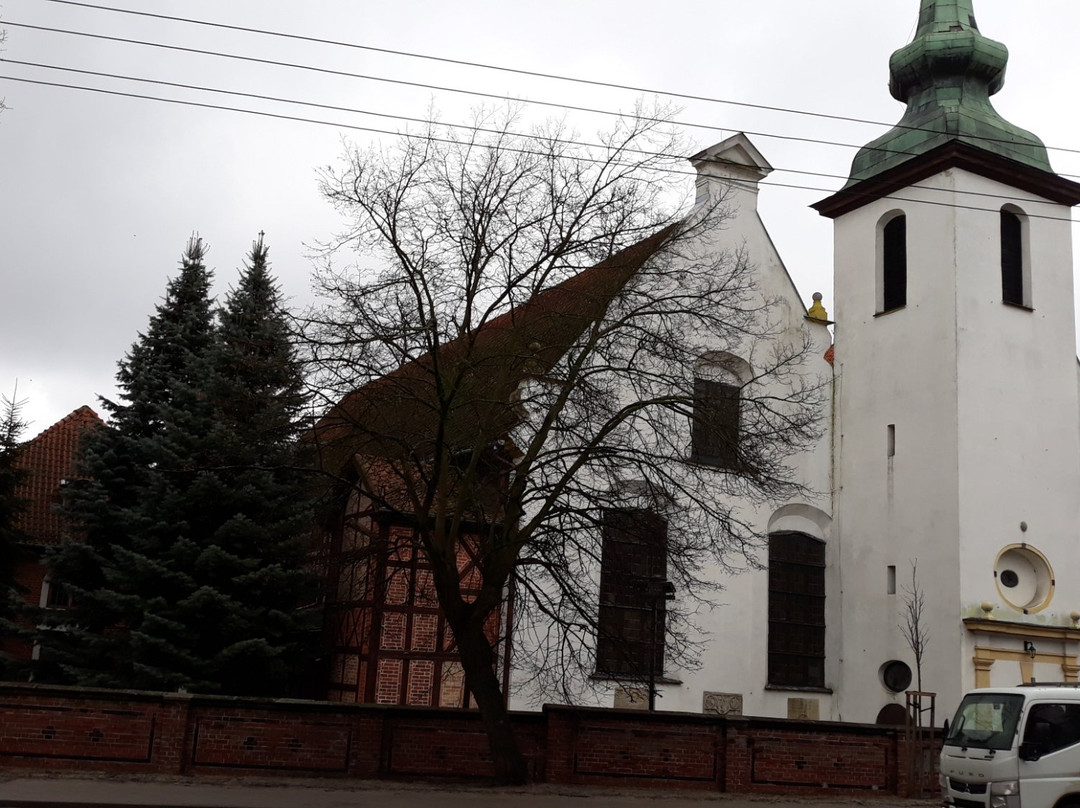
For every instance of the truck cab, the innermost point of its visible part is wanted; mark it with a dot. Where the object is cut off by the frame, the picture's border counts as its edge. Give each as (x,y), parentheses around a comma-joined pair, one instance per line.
(1015,747)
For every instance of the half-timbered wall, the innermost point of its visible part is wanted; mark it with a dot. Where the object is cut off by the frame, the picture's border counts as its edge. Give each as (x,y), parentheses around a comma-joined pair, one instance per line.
(390,641)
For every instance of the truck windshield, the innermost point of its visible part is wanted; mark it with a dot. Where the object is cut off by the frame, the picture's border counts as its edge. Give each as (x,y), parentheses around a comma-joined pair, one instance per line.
(986,721)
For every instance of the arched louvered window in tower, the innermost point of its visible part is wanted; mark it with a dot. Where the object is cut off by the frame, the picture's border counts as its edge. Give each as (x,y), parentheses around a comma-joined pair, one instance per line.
(1015,280)
(894,264)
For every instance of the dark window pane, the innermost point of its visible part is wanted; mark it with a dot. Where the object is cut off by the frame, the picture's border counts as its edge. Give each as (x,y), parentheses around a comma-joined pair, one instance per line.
(1053,726)
(894,264)
(633,569)
(716,423)
(796,610)
(56,596)
(1012,259)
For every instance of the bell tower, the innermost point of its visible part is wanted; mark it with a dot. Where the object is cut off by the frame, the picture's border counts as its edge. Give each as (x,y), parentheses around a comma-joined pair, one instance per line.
(957,416)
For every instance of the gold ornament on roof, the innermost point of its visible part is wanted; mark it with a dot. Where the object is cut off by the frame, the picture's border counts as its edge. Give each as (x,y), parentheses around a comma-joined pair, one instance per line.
(817,311)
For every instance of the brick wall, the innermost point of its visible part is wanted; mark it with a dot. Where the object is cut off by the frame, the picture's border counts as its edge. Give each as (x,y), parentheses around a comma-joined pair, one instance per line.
(601,747)
(29,575)
(45,727)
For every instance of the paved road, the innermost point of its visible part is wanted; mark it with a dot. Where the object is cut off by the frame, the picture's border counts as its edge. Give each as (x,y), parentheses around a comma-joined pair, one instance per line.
(68,792)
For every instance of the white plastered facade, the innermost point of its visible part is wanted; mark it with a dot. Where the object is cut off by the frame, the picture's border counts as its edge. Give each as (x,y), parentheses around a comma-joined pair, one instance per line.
(735,629)
(951,440)
(984,455)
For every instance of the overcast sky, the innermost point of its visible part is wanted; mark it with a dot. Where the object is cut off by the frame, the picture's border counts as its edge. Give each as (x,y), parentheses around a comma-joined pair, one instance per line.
(99,193)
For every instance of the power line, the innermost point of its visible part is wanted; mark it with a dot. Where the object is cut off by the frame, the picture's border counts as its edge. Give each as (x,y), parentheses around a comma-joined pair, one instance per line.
(408,119)
(438,88)
(354,110)
(456,90)
(466,63)
(416,84)
(531,73)
(671,170)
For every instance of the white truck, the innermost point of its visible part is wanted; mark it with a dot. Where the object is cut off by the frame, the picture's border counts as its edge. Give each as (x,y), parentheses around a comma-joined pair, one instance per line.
(1014,747)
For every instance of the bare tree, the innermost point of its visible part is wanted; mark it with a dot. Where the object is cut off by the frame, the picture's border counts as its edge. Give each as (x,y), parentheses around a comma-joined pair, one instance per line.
(914,628)
(516,358)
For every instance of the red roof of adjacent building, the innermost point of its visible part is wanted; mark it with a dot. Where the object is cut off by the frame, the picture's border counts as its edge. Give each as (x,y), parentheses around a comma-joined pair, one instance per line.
(50,459)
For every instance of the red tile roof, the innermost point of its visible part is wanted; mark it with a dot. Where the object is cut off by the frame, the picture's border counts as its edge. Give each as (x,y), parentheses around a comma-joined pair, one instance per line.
(397,414)
(50,458)
(830,355)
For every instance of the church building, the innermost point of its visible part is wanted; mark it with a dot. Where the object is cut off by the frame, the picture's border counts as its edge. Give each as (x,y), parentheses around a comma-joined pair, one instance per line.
(935,547)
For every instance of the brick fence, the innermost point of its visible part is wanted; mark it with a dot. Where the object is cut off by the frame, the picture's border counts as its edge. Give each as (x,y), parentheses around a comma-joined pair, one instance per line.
(58,728)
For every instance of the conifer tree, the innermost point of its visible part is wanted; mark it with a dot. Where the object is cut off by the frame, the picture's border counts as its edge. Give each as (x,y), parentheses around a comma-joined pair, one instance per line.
(11,506)
(265,490)
(11,476)
(130,574)
(188,571)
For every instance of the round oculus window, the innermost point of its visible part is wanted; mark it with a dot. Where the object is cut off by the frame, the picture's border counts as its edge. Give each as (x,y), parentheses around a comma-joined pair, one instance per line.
(896,675)
(1024,578)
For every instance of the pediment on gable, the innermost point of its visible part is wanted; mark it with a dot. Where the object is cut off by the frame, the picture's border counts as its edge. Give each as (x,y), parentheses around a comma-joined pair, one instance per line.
(736,152)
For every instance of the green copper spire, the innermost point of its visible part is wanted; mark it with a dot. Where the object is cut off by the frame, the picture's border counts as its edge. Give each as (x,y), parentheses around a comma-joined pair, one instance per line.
(946,77)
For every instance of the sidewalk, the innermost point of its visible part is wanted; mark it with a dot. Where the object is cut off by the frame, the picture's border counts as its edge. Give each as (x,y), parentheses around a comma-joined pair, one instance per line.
(115,792)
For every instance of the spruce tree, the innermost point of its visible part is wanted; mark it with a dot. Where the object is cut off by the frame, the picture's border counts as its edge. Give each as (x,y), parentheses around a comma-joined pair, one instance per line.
(266,517)
(11,476)
(12,505)
(130,575)
(188,573)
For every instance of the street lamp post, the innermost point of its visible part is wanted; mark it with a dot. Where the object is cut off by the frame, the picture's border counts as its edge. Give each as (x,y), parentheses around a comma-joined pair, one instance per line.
(659,591)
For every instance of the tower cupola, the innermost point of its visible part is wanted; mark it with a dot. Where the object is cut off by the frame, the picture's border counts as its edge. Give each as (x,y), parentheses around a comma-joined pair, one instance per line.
(946,76)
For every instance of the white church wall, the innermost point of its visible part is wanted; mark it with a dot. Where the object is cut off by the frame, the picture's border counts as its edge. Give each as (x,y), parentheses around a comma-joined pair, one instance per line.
(1019,445)
(896,426)
(736,657)
(982,403)
(735,654)
(734,624)
(1019,441)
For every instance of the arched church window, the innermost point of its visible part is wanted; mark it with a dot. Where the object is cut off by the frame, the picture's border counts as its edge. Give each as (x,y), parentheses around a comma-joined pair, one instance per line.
(1015,279)
(633,574)
(716,429)
(893,279)
(796,610)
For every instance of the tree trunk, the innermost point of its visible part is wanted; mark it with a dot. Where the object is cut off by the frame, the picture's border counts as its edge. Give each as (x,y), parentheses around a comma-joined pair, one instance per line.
(478,661)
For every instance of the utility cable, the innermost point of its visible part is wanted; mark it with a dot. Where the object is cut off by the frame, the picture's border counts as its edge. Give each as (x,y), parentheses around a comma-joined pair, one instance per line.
(424,121)
(511,149)
(478,93)
(519,71)
(419,85)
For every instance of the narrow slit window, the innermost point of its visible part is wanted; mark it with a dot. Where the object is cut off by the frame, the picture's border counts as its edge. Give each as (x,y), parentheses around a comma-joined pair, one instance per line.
(1012,259)
(890,579)
(891,440)
(894,264)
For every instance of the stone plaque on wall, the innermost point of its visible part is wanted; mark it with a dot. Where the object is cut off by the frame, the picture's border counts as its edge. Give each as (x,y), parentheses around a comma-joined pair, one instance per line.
(713,703)
(803,708)
(631,698)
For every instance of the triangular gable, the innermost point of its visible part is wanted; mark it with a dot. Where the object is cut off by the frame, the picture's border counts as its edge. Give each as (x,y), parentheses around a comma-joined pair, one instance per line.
(50,459)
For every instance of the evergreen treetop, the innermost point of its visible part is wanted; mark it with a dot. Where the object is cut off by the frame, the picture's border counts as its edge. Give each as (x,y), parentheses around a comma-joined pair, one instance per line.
(191,566)
(12,505)
(12,426)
